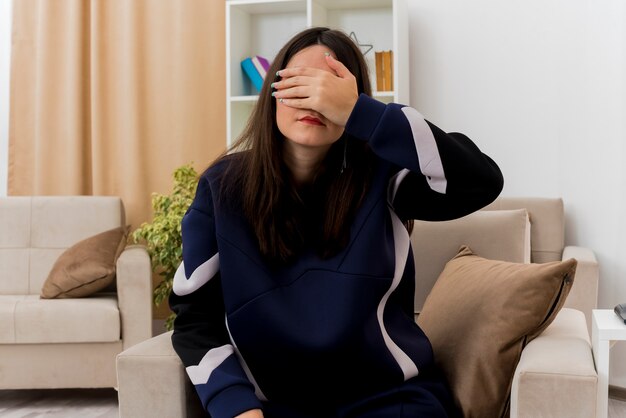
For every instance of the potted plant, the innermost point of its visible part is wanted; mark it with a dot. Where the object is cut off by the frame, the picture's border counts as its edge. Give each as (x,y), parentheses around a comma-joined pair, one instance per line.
(162,236)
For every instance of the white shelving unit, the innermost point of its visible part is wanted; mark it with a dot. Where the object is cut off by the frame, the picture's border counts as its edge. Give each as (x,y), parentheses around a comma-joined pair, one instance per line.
(262,27)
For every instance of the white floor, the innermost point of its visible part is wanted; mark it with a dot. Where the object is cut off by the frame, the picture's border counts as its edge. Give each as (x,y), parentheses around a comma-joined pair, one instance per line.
(59,403)
(102,403)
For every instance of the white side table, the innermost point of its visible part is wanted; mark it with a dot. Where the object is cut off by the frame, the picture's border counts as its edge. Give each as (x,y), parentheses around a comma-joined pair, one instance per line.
(606,327)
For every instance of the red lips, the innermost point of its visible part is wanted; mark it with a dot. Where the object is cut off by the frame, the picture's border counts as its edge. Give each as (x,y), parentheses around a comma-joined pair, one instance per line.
(311,120)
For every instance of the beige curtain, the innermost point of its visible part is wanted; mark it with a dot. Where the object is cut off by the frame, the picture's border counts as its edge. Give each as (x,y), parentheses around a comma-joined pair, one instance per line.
(108,97)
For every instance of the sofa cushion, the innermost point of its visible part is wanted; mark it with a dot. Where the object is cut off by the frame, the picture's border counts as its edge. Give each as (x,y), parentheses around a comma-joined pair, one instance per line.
(497,235)
(86,267)
(14,271)
(7,313)
(61,221)
(15,222)
(29,319)
(14,245)
(479,316)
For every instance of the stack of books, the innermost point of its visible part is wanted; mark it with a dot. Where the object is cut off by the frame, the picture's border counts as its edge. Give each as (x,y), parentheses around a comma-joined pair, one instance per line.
(255,68)
(384,70)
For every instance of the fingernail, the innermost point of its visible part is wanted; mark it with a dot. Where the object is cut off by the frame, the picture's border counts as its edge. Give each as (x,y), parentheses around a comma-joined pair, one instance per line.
(278,73)
(272,85)
(273,93)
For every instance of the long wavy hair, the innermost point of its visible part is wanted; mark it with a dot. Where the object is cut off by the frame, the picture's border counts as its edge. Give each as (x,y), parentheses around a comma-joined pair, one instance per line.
(285,219)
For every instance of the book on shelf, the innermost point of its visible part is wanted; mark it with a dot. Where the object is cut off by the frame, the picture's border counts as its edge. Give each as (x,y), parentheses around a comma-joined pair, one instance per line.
(261,64)
(255,67)
(388,64)
(384,70)
(380,78)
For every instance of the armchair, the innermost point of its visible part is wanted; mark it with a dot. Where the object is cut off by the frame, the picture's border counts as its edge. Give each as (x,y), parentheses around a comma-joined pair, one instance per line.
(555,376)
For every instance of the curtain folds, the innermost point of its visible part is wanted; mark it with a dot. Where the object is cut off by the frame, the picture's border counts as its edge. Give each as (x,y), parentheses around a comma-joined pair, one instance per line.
(109,97)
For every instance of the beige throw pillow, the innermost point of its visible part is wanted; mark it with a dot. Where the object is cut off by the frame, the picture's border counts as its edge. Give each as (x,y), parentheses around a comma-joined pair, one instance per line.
(497,235)
(479,316)
(86,267)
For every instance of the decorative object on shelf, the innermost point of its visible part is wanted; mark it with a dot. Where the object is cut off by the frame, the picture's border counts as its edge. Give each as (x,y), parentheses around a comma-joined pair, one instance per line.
(255,68)
(384,70)
(368,47)
(261,64)
(162,236)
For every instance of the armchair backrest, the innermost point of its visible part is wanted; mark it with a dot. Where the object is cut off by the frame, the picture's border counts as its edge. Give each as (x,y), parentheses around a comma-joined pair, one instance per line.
(35,230)
(547,220)
(518,230)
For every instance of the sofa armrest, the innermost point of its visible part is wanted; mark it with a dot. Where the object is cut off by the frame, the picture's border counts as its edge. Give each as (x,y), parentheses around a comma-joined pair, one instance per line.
(584,293)
(134,292)
(556,376)
(152,382)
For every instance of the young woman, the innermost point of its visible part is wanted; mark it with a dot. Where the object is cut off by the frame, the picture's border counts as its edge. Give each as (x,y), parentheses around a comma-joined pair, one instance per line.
(295,295)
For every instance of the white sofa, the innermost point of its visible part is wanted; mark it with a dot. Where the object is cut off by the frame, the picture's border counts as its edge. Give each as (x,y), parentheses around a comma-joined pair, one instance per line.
(65,343)
(555,376)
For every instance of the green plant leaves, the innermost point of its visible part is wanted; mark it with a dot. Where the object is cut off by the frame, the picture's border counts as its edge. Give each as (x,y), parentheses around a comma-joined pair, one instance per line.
(162,236)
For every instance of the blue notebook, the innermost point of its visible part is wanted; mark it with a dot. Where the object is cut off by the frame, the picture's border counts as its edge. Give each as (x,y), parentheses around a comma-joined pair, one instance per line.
(253,74)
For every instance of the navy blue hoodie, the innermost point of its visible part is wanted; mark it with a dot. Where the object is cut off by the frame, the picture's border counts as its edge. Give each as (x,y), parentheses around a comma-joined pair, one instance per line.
(247,333)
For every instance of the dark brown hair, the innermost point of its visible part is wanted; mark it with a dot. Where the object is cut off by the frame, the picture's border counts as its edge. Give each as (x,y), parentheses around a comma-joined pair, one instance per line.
(283,218)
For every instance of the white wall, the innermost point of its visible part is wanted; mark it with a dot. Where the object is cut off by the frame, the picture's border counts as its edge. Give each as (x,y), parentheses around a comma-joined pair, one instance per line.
(540,85)
(5,58)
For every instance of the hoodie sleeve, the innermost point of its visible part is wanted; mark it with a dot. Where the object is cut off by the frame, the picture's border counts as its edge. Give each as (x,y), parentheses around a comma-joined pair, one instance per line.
(437,175)
(200,335)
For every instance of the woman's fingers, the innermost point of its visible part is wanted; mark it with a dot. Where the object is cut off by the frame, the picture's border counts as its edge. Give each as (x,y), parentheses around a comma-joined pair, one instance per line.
(297,103)
(291,92)
(299,71)
(296,87)
(294,82)
(299,80)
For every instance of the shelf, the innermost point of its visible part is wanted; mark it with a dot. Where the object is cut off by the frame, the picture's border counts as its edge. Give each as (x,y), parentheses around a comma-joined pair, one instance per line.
(353,4)
(249,98)
(255,7)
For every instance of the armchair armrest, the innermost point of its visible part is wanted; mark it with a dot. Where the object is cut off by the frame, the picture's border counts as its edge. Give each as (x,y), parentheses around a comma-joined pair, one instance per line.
(584,293)
(134,292)
(556,376)
(152,382)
